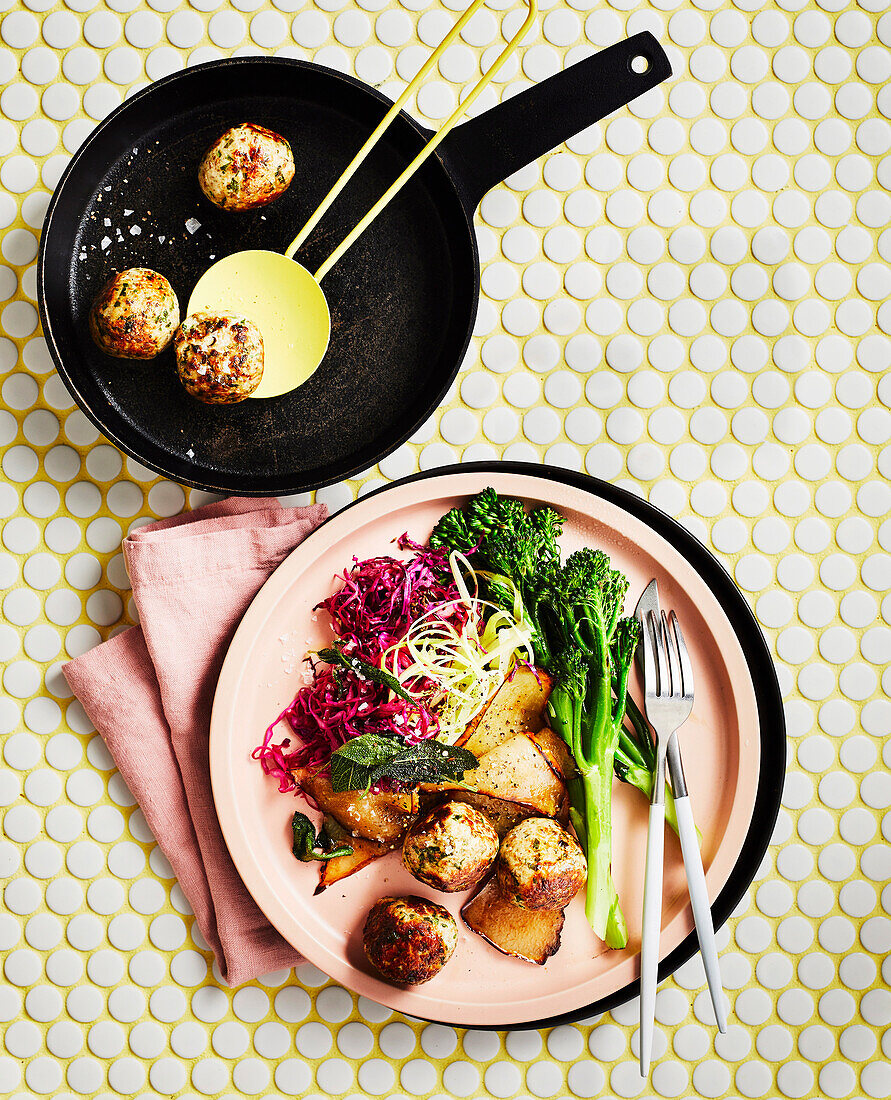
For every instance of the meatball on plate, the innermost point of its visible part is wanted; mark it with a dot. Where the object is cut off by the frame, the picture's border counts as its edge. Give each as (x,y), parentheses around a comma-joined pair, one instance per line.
(540,865)
(247,167)
(135,314)
(409,939)
(451,848)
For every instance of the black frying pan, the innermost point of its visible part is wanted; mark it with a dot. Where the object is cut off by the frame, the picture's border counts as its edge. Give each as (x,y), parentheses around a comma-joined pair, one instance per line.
(403,299)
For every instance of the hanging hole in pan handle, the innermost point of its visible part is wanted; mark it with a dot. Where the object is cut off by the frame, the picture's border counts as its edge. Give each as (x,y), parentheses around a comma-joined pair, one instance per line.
(495,144)
(639,64)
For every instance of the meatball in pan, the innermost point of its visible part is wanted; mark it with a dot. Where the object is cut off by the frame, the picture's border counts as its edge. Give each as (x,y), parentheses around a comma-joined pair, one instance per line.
(135,314)
(247,167)
(451,848)
(219,357)
(540,865)
(409,939)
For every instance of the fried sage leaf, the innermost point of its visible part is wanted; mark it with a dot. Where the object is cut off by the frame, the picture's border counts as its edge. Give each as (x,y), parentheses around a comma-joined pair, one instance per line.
(308,846)
(371,759)
(336,656)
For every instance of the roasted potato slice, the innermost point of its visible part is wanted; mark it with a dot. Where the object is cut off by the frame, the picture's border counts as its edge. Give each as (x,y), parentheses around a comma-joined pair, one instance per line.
(555,751)
(363,853)
(518,770)
(518,705)
(526,934)
(503,815)
(380,817)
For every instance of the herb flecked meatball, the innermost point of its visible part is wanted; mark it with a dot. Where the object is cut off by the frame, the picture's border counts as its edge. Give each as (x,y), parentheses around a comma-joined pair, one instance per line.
(219,357)
(540,865)
(451,848)
(247,167)
(135,314)
(409,939)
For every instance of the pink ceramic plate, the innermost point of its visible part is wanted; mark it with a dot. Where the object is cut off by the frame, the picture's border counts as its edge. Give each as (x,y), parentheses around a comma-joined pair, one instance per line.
(479,986)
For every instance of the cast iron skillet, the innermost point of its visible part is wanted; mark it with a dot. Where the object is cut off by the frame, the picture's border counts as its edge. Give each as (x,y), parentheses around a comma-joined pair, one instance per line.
(403,299)
(769,700)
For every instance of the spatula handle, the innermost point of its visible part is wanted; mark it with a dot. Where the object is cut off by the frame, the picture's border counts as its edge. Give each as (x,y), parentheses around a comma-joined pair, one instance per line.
(382,126)
(459,112)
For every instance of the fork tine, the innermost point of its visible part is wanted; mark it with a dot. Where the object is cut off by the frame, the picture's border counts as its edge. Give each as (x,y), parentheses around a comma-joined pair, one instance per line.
(659,645)
(677,686)
(683,656)
(649,658)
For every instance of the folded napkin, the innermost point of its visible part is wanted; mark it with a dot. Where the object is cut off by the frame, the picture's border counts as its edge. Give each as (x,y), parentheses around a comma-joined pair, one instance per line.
(149,691)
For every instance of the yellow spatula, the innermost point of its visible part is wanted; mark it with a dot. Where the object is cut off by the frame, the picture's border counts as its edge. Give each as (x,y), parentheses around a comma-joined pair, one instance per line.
(284,299)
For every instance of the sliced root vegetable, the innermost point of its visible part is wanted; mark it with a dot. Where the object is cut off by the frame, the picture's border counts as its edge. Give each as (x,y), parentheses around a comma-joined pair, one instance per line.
(518,705)
(555,751)
(380,817)
(518,770)
(341,867)
(532,935)
(503,815)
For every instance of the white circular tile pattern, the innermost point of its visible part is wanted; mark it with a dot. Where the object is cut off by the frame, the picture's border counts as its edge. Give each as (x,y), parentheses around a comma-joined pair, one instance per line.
(689,299)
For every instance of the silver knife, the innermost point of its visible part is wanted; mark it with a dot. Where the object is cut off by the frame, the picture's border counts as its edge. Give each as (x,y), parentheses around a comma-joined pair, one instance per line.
(702,914)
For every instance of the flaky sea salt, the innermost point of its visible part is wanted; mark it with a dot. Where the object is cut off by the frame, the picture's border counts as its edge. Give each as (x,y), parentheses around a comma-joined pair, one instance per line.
(105,242)
(193,225)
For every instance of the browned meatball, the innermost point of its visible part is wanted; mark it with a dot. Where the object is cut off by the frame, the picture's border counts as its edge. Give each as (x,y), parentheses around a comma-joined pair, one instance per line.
(540,865)
(409,939)
(247,167)
(219,357)
(135,315)
(451,848)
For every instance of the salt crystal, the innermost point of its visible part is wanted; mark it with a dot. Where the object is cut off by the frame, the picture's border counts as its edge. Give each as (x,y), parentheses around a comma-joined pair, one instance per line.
(106,221)
(135,230)
(193,225)
(105,242)
(161,240)
(127,213)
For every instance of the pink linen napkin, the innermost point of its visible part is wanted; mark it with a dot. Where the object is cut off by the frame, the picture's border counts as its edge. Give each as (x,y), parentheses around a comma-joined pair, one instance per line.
(149,692)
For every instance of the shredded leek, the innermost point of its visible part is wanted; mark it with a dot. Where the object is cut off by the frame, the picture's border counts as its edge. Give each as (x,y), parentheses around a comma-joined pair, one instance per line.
(467,666)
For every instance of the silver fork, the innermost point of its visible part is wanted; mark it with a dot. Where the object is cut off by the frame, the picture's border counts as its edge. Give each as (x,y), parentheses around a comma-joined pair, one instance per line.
(668,695)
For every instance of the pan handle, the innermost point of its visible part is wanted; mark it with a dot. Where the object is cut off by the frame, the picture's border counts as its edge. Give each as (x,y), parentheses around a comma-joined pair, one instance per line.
(489,148)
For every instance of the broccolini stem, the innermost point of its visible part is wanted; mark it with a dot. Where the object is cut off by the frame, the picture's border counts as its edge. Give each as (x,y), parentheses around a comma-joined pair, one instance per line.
(630,749)
(642,778)
(642,728)
(601,900)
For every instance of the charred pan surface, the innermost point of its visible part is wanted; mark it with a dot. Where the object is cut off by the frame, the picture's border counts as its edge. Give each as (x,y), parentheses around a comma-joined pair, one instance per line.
(219,357)
(135,314)
(451,848)
(540,865)
(247,167)
(409,939)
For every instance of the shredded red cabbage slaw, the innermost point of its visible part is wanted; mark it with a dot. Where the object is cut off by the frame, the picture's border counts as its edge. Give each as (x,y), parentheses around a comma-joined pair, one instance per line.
(377,602)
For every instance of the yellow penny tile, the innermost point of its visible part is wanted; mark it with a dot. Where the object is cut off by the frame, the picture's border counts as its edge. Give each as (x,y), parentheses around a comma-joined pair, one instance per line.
(690,300)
